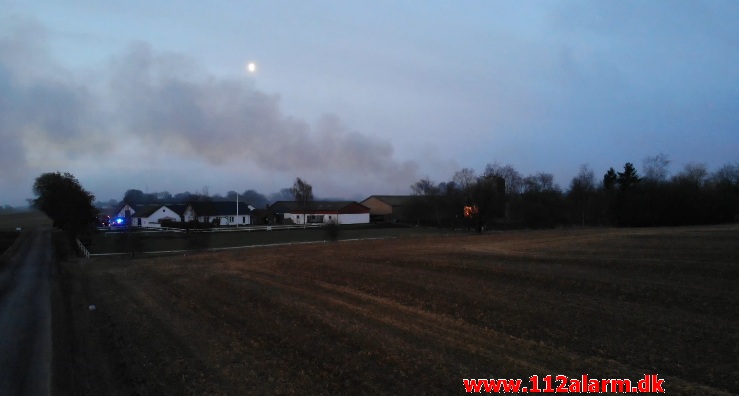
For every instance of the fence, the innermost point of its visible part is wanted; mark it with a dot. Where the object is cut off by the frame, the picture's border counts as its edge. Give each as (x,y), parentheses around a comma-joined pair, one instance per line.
(115,231)
(83,249)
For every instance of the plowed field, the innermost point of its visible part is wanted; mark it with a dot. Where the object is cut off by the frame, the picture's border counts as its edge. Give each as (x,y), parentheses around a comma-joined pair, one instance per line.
(406,316)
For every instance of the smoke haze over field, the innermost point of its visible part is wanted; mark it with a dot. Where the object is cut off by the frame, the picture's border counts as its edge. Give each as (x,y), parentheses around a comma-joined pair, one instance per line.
(357,100)
(151,107)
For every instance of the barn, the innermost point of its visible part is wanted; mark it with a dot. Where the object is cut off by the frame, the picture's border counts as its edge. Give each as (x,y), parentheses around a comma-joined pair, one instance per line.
(321,212)
(389,208)
(220,213)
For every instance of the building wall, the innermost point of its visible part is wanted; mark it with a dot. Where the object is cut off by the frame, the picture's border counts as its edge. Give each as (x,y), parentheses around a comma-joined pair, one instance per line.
(122,212)
(144,223)
(154,219)
(240,220)
(352,213)
(354,218)
(377,207)
(299,218)
(232,220)
(164,212)
(383,211)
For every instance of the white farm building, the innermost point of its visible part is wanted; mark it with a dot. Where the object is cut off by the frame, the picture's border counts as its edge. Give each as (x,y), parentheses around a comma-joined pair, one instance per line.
(317,212)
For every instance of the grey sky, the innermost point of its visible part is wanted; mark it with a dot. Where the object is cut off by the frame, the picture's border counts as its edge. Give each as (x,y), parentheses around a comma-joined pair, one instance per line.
(358,98)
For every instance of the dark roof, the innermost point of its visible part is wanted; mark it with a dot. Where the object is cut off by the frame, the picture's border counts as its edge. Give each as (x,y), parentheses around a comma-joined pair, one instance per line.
(144,210)
(284,206)
(219,208)
(148,210)
(324,205)
(123,205)
(394,200)
(177,208)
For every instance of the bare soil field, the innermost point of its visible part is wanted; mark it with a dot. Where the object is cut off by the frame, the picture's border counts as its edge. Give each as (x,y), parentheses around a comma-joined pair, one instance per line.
(147,241)
(406,316)
(30,219)
(9,222)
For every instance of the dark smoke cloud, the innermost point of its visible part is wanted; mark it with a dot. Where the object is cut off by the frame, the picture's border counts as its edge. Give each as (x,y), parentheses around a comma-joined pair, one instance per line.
(39,104)
(165,103)
(221,121)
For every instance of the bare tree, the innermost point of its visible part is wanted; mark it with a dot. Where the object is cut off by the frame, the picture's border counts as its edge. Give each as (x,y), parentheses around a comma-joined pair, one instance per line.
(655,168)
(465,178)
(303,194)
(488,200)
(428,193)
(582,188)
(425,187)
(727,175)
(694,174)
(513,179)
(539,182)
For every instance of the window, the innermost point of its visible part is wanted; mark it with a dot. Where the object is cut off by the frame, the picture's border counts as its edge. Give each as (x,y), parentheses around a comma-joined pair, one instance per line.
(314,218)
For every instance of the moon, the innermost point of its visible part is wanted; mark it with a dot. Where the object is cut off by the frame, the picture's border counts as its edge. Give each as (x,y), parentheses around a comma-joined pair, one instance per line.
(251,67)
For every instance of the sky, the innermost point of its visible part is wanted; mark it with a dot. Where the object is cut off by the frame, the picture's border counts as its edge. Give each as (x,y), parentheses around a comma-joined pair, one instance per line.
(358,98)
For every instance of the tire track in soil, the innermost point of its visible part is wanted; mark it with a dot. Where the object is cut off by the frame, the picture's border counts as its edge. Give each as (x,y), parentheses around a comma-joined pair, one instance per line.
(492,347)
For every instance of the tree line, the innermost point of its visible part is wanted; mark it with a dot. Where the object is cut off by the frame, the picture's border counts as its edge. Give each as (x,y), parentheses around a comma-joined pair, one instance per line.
(72,208)
(301,191)
(618,198)
(258,200)
(500,196)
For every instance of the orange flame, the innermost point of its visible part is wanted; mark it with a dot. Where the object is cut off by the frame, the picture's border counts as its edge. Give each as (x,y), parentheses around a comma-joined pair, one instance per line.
(470,211)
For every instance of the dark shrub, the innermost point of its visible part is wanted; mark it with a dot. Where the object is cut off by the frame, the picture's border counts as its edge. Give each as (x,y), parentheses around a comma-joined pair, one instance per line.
(332,231)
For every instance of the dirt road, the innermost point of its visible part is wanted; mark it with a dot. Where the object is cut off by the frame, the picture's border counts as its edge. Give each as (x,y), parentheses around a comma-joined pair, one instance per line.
(25,317)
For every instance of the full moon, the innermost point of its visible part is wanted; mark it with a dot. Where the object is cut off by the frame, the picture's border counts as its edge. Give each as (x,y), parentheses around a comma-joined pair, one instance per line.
(251,67)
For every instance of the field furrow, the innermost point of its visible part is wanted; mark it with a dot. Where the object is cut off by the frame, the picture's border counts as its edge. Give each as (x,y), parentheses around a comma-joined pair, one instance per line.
(417,315)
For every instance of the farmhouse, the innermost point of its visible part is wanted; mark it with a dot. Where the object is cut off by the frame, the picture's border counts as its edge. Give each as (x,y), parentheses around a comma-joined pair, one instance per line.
(136,214)
(126,210)
(155,215)
(317,212)
(220,213)
(389,208)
